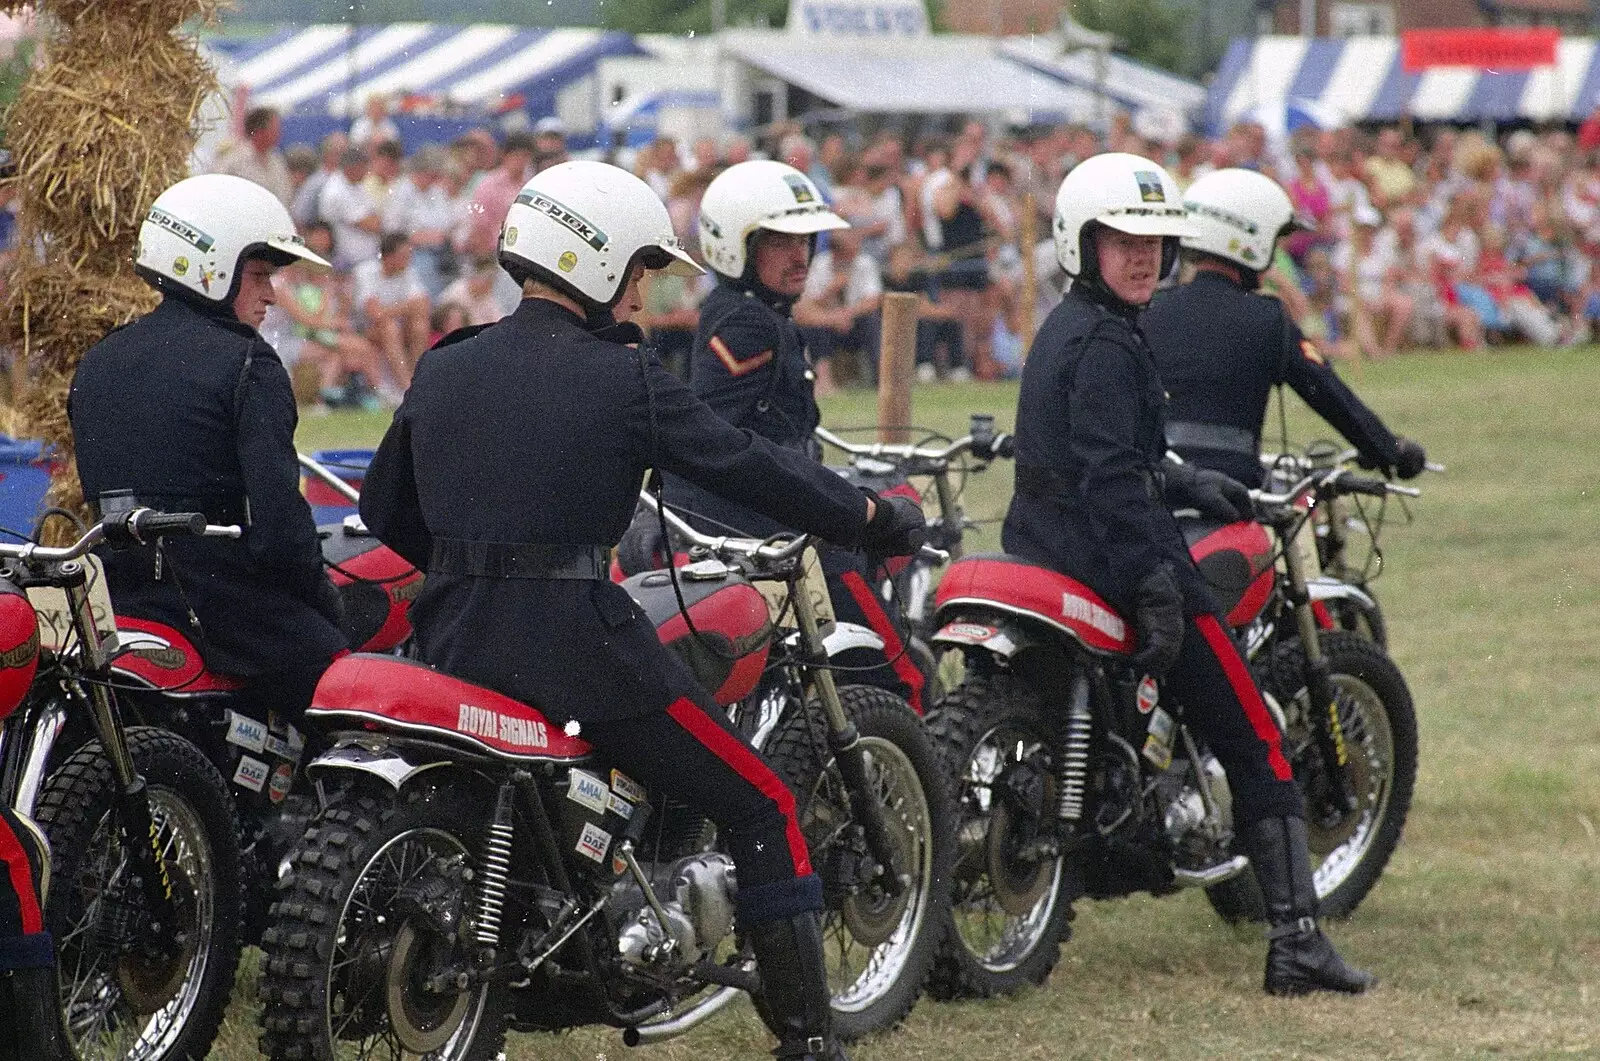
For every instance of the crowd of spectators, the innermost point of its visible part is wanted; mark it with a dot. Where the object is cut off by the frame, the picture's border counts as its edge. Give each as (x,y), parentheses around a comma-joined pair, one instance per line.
(1434,238)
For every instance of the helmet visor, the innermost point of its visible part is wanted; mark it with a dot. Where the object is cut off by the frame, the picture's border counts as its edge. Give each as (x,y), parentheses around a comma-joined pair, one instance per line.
(288,248)
(804,221)
(669,256)
(1148,221)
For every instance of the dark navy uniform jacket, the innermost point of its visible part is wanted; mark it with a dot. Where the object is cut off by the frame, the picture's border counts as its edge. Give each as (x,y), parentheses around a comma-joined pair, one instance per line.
(1220,350)
(1090,439)
(192,409)
(750,366)
(535,431)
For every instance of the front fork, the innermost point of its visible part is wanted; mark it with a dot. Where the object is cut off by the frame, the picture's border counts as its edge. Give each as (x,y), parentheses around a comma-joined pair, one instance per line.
(845,742)
(1326,728)
(135,823)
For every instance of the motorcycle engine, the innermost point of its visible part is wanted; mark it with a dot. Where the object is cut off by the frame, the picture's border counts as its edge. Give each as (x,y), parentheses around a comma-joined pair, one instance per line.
(1196,836)
(696,894)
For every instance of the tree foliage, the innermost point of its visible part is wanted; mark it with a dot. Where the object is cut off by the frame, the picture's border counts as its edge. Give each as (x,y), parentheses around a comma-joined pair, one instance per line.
(1151,31)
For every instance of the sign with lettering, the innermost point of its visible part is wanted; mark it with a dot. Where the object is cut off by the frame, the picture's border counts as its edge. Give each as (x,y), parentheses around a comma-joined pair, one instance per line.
(858,18)
(1490,48)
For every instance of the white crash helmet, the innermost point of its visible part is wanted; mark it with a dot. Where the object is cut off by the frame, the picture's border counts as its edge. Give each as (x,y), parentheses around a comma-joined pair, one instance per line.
(754,195)
(1121,191)
(579,226)
(1238,215)
(199,232)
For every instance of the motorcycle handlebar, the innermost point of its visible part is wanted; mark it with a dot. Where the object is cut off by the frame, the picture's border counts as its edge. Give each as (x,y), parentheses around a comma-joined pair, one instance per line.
(998,445)
(757,548)
(139,524)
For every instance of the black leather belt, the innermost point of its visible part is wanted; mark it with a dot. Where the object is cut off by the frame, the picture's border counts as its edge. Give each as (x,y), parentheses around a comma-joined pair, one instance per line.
(459,556)
(1041,480)
(1211,436)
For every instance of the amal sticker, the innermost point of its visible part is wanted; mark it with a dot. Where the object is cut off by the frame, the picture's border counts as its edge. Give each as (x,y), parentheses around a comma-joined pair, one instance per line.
(587,790)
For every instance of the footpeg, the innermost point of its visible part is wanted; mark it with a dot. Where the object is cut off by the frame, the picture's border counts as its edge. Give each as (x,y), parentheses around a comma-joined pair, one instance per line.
(1205,878)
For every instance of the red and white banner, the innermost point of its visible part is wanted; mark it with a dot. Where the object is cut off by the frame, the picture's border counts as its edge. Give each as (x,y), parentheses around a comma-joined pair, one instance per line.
(1480,49)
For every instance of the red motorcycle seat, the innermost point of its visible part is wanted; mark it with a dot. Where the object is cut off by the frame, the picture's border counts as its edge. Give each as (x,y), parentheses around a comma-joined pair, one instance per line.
(1022,587)
(390,691)
(165,660)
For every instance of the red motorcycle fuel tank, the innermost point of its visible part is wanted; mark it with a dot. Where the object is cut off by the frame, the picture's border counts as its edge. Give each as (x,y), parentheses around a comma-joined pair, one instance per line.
(19,647)
(376,584)
(1236,560)
(730,615)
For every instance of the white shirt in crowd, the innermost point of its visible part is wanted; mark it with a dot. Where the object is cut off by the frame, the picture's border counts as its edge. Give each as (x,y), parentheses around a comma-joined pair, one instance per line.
(932,234)
(864,281)
(1371,271)
(411,210)
(368,280)
(343,205)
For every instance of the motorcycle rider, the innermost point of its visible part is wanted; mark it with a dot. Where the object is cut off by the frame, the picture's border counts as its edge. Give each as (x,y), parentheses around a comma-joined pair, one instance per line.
(1089,502)
(1220,347)
(30,998)
(191,410)
(514,464)
(758,226)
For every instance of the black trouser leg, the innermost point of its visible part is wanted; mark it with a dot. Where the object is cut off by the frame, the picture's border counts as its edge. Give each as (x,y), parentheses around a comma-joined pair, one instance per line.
(31,1024)
(1300,959)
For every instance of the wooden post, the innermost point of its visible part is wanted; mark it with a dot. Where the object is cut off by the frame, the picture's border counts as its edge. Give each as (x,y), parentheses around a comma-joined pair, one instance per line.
(896,362)
(1029,298)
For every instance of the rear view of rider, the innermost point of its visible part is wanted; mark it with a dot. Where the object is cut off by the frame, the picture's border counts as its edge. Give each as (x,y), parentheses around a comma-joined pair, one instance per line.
(1221,347)
(30,998)
(1092,501)
(191,410)
(513,466)
(759,222)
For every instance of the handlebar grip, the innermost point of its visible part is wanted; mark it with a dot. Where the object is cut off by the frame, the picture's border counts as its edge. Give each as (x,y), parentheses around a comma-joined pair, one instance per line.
(1005,446)
(147,523)
(1357,484)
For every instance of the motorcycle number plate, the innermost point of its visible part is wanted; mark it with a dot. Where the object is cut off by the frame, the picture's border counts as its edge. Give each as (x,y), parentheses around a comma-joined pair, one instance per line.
(55,618)
(814,585)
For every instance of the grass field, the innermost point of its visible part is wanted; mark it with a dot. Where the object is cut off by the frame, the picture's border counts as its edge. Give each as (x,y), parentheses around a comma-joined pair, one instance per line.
(1485,930)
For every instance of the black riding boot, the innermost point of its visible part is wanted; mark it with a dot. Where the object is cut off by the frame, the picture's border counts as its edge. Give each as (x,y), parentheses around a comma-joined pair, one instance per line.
(794,986)
(30,1009)
(1300,959)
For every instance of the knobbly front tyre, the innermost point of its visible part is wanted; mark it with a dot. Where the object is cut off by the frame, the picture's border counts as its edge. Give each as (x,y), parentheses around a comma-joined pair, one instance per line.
(127,996)
(330,987)
(878,947)
(1349,849)
(1009,915)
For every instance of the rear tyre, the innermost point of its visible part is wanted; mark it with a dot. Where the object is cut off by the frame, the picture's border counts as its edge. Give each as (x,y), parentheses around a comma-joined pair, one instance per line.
(1009,916)
(878,947)
(1349,850)
(126,995)
(345,968)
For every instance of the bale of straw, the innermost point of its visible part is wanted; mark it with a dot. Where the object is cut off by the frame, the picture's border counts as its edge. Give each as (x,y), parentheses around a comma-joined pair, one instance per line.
(98,132)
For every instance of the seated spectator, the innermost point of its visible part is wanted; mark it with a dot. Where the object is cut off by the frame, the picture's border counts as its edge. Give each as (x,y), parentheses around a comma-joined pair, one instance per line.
(423,208)
(388,158)
(320,331)
(494,194)
(476,292)
(670,316)
(447,317)
(374,126)
(307,206)
(839,307)
(1521,313)
(394,310)
(257,158)
(1369,270)
(345,205)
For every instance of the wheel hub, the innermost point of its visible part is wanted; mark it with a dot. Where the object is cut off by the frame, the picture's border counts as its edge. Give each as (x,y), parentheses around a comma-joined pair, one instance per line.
(422,1020)
(152,971)
(871,912)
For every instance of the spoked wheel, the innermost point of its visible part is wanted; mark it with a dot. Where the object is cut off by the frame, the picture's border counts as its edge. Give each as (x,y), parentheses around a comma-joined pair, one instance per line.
(357,965)
(879,945)
(136,985)
(1009,917)
(1348,848)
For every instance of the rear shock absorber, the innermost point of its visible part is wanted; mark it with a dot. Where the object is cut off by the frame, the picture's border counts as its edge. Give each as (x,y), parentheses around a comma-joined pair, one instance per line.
(491,895)
(1072,765)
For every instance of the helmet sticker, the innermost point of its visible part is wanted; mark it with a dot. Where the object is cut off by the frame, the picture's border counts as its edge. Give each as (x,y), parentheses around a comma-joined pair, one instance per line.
(1226,217)
(800,187)
(182,229)
(567,262)
(180,265)
(206,276)
(586,231)
(511,236)
(1150,190)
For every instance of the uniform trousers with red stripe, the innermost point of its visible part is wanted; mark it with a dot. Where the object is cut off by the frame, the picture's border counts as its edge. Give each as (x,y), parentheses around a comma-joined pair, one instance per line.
(24,944)
(853,590)
(691,753)
(1222,704)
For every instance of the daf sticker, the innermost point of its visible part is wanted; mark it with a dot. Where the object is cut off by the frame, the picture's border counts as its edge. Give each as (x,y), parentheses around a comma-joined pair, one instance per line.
(252,773)
(594,842)
(246,732)
(587,790)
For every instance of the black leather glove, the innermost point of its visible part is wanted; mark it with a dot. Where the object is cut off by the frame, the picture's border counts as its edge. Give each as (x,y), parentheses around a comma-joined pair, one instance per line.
(1409,462)
(329,602)
(897,527)
(1213,494)
(642,547)
(1412,459)
(1158,611)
